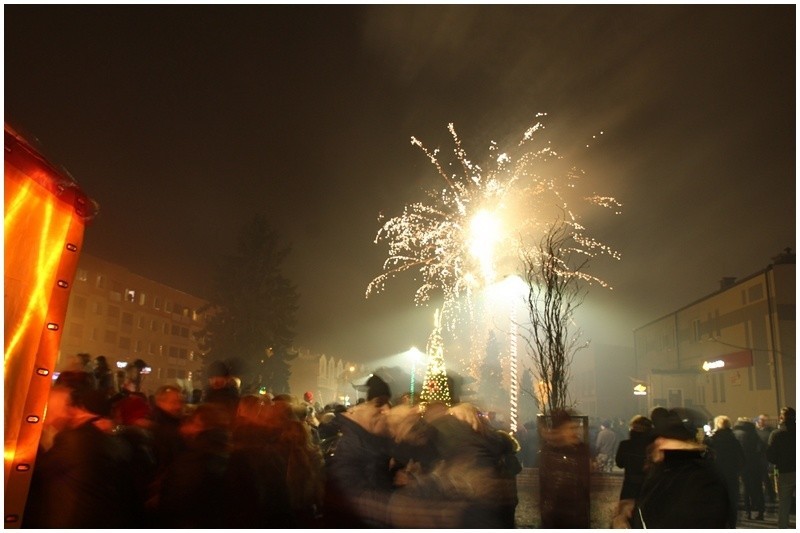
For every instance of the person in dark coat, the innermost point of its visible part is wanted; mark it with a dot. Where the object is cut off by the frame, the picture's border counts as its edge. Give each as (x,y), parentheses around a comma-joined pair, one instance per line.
(564,467)
(221,389)
(481,461)
(82,476)
(767,483)
(682,488)
(782,452)
(729,461)
(631,457)
(746,434)
(191,491)
(359,476)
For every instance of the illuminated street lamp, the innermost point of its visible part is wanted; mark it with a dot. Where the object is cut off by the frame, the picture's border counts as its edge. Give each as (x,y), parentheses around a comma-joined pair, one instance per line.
(416,356)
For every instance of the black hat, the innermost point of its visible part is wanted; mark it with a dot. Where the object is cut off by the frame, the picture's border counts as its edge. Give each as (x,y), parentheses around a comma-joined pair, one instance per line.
(672,426)
(377,388)
(218,368)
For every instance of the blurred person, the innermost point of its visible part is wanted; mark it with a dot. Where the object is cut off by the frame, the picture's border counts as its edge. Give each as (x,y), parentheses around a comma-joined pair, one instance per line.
(746,434)
(682,488)
(765,469)
(255,483)
(103,377)
(728,456)
(191,490)
(782,452)
(221,390)
(359,477)
(605,447)
(82,477)
(166,418)
(564,467)
(480,463)
(131,415)
(529,442)
(631,456)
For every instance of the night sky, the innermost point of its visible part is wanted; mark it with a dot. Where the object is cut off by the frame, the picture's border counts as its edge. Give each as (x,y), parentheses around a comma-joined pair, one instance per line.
(182,122)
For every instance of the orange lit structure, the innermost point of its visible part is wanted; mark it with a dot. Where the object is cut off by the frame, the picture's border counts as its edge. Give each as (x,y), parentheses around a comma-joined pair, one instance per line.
(45,216)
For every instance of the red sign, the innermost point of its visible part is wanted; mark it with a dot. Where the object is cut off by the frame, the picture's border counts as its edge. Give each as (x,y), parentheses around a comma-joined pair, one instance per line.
(741,359)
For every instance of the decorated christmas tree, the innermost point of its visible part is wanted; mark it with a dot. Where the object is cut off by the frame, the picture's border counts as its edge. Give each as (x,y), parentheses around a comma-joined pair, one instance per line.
(435,387)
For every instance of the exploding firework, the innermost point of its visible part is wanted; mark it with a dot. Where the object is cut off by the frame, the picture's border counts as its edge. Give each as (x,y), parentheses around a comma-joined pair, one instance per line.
(481,218)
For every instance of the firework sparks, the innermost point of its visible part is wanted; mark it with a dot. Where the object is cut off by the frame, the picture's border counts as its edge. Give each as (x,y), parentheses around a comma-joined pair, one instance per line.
(457,238)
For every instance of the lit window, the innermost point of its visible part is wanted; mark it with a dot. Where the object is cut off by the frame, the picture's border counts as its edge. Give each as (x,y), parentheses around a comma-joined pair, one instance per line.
(130,295)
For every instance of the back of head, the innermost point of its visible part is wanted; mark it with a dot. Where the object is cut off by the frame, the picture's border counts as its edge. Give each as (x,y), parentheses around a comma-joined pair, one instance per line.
(788,416)
(722,422)
(672,426)
(378,388)
(640,424)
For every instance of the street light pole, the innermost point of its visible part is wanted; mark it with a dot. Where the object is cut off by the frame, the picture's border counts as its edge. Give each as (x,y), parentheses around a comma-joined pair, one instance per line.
(512,348)
(414,354)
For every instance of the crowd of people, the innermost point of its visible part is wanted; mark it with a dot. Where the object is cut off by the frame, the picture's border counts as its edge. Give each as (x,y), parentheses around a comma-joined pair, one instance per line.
(672,467)
(110,457)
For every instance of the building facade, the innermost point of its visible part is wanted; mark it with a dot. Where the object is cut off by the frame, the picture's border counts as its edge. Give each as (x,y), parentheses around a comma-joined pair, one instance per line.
(730,353)
(125,317)
(602,382)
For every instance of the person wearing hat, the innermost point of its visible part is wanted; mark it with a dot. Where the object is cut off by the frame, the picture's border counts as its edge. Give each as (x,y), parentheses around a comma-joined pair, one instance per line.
(682,488)
(782,452)
(221,390)
(358,473)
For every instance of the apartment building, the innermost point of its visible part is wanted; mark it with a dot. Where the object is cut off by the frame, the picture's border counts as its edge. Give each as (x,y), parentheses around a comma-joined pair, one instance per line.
(124,316)
(729,353)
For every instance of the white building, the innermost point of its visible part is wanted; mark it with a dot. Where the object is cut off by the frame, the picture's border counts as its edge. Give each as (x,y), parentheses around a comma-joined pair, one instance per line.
(730,353)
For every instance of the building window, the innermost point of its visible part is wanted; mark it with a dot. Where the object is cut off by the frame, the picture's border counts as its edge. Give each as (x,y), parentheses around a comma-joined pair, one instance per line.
(154,325)
(77,306)
(100,281)
(696,330)
(171,373)
(167,306)
(127,319)
(173,351)
(183,353)
(97,308)
(130,295)
(156,303)
(185,333)
(110,337)
(82,274)
(175,330)
(165,329)
(113,311)
(142,322)
(115,295)
(76,330)
(151,349)
(142,298)
(755,293)
(138,346)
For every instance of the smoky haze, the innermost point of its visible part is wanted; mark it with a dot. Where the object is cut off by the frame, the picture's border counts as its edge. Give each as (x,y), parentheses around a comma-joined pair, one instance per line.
(184,121)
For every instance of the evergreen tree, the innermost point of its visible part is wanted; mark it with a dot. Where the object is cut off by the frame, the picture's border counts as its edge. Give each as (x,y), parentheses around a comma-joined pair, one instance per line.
(252,310)
(492,396)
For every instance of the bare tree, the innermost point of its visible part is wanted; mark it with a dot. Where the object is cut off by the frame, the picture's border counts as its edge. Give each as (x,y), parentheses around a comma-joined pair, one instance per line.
(557,286)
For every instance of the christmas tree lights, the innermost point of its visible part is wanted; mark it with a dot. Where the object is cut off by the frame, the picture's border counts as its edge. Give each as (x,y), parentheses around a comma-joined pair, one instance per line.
(435,387)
